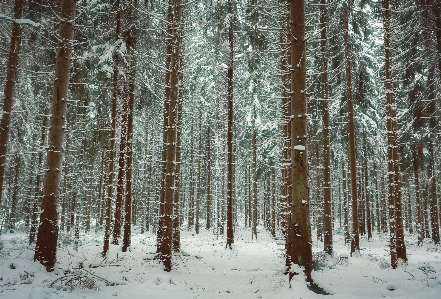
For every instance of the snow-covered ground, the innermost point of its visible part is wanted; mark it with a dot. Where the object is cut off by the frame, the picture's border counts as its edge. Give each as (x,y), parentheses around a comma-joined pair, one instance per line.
(205,269)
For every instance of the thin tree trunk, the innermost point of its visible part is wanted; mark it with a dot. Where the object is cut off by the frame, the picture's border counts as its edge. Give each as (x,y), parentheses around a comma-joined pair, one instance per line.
(432,174)
(327,223)
(47,236)
(346,207)
(397,246)
(355,239)
(208,223)
(301,249)
(11,76)
(230,233)
(165,233)
(273,202)
(89,199)
(366,184)
(254,230)
(131,40)
(115,96)
(13,215)
(198,190)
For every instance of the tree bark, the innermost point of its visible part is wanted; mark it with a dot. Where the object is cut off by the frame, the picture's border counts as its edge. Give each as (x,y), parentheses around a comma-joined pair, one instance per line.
(115,96)
(11,76)
(165,233)
(230,176)
(130,37)
(397,246)
(432,174)
(301,248)
(46,246)
(253,175)
(355,239)
(13,215)
(327,224)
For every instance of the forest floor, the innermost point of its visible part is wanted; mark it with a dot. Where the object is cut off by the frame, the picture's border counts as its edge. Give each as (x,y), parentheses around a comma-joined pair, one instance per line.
(205,269)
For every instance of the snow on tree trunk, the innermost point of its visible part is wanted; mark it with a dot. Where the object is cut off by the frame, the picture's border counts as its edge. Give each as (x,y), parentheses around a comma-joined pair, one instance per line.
(47,236)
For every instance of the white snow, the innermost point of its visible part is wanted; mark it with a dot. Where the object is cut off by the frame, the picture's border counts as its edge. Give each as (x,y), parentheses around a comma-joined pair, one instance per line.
(205,269)
(299,147)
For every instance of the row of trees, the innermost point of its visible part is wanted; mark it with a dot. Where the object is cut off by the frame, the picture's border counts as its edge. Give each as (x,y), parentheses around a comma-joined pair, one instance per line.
(168,114)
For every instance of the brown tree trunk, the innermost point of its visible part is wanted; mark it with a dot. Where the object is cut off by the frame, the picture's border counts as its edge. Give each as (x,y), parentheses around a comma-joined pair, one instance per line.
(397,246)
(355,239)
(46,246)
(432,174)
(177,190)
(327,220)
(301,232)
(436,4)
(198,188)
(130,39)
(208,223)
(366,184)
(13,215)
(346,207)
(273,202)
(254,229)
(165,233)
(230,233)
(11,75)
(115,96)
(377,205)
(286,189)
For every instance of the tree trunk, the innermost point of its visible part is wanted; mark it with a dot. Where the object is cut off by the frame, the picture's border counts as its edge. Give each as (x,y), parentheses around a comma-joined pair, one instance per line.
(198,189)
(273,202)
(207,226)
(254,173)
(366,184)
(230,233)
(327,220)
(11,76)
(46,246)
(130,40)
(301,248)
(397,246)
(355,239)
(165,233)
(432,174)
(115,96)
(13,215)
(346,206)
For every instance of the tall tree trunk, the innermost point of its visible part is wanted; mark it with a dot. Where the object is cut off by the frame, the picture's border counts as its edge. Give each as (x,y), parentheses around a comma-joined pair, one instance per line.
(47,236)
(397,246)
(346,206)
(165,233)
(254,172)
(355,239)
(131,40)
(273,202)
(432,174)
(366,184)
(230,233)
(198,189)
(11,76)
(301,248)
(208,223)
(436,4)
(115,96)
(327,220)
(13,215)
(287,190)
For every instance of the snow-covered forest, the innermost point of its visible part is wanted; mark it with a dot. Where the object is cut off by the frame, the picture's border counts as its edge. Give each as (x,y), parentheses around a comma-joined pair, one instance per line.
(220,148)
